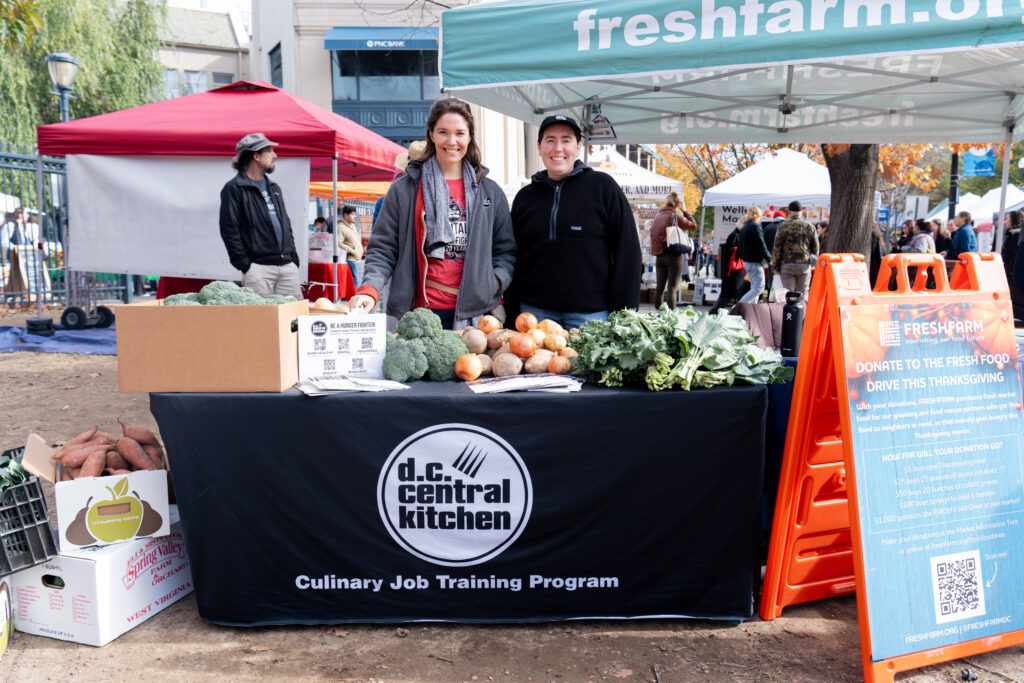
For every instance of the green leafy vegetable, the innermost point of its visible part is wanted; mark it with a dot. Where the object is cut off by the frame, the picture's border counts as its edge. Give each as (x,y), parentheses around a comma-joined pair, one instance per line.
(670,348)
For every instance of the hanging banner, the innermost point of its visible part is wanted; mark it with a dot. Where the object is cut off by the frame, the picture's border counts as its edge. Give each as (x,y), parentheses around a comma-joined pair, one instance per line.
(980,162)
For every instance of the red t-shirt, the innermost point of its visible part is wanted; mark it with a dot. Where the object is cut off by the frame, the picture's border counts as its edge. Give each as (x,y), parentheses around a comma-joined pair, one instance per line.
(448,271)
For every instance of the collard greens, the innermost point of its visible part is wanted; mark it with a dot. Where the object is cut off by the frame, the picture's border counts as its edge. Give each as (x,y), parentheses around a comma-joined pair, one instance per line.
(670,348)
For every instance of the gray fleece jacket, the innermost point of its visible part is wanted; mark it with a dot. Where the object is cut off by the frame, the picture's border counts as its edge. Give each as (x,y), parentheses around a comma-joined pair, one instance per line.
(395,249)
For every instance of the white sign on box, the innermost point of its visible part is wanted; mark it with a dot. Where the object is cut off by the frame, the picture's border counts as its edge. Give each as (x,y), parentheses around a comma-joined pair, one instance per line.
(342,346)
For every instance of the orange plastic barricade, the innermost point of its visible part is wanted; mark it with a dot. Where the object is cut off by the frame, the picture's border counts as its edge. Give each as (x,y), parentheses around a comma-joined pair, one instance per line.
(818,546)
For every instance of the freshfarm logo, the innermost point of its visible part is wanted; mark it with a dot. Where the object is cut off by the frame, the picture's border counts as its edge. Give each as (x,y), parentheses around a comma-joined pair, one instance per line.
(889,333)
(454,495)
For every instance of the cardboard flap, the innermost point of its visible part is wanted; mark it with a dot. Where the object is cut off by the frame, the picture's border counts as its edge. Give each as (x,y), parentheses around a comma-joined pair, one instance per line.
(38,460)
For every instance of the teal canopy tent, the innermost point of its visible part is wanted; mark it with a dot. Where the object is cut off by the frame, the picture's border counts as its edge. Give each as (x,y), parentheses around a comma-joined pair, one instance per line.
(679,71)
(719,71)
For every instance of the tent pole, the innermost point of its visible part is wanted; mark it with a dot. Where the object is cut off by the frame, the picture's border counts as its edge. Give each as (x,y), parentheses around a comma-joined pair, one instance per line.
(1007,143)
(333,218)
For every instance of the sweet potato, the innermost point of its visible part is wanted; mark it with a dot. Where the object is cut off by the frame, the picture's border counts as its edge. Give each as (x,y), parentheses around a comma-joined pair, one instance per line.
(79,453)
(133,453)
(116,460)
(105,437)
(93,465)
(116,471)
(65,475)
(83,437)
(73,472)
(156,454)
(139,434)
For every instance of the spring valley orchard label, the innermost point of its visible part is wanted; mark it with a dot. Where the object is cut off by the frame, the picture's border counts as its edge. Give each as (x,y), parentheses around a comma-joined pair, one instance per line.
(454,494)
(937,428)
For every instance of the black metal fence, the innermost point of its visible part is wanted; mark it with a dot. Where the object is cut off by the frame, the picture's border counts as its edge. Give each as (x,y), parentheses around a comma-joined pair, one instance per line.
(33,230)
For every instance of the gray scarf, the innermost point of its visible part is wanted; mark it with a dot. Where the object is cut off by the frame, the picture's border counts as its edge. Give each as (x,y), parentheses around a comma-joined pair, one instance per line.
(439,231)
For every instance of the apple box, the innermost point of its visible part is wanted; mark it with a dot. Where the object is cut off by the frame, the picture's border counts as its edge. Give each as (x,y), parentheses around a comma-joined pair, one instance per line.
(207,348)
(93,595)
(101,510)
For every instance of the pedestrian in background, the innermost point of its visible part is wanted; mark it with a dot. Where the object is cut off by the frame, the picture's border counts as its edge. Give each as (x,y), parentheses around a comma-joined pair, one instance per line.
(670,259)
(350,241)
(796,250)
(964,239)
(754,253)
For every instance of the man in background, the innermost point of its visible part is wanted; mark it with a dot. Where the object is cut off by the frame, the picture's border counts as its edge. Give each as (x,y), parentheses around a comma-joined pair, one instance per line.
(254,223)
(964,239)
(796,249)
(350,241)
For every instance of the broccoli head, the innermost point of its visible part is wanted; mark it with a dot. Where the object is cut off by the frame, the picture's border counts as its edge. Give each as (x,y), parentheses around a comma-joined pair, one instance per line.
(187,299)
(279,299)
(216,290)
(443,349)
(405,359)
(419,323)
(240,296)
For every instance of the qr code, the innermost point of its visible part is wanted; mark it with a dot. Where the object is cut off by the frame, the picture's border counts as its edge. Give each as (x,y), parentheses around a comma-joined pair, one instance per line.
(343,343)
(367,343)
(357,363)
(319,344)
(328,366)
(957,586)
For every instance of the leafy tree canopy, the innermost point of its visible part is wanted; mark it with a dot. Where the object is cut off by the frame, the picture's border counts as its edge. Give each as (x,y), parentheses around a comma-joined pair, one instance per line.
(115,42)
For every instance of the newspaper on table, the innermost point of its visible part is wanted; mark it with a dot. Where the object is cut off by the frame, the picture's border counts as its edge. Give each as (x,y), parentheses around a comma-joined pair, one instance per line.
(322,386)
(548,381)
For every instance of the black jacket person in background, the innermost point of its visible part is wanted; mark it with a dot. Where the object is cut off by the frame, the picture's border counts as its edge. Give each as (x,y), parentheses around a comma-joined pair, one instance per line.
(254,223)
(578,251)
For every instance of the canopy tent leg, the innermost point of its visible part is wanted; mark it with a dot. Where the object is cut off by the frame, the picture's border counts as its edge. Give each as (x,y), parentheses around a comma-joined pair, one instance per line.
(333,218)
(1007,144)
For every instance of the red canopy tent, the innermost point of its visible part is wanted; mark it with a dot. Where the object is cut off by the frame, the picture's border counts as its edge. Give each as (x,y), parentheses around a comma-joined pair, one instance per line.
(139,204)
(210,123)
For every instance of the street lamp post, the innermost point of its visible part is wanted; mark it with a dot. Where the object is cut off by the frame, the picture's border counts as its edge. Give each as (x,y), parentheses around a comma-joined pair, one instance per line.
(63,68)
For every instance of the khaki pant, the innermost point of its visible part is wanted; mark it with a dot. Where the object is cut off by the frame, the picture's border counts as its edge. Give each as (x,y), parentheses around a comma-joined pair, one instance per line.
(267,280)
(796,277)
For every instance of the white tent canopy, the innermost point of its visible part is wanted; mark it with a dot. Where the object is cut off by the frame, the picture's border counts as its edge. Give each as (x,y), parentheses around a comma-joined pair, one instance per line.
(636,181)
(776,180)
(983,209)
(941,211)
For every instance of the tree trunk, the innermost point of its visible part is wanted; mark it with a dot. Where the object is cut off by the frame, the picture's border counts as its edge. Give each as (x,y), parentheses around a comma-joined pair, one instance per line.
(853,174)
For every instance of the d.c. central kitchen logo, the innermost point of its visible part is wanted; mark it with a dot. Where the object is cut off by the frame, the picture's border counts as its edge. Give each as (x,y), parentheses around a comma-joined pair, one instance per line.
(454,494)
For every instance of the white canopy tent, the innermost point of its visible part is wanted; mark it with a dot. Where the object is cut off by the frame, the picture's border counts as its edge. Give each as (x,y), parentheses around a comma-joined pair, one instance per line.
(636,182)
(697,71)
(983,210)
(775,180)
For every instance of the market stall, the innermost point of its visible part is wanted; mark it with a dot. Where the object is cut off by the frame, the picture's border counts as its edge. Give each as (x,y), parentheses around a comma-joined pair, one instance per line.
(129,170)
(617,516)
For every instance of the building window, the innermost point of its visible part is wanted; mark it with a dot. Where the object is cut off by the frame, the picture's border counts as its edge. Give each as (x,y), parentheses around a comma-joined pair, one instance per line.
(276,78)
(172,86)
(385,75)
(222,79)
(195,82)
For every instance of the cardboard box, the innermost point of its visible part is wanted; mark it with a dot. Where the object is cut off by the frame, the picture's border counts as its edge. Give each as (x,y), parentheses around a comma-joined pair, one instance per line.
(93,595)
(101,510)
(6,613)
(207,348)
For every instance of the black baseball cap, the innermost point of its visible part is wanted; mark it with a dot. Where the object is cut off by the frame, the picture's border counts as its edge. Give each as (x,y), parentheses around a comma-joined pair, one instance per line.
(795,206)
(562,119)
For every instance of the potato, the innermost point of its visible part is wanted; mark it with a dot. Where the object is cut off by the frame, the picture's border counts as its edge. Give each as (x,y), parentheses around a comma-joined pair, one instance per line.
(568,352)
(506,364)
(475,340)
(504,348)
(554,342)
(538,362)
(485,362)
(498,337)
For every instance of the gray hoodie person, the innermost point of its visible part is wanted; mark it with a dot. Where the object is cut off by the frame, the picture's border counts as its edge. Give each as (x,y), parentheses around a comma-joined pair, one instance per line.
(395,249)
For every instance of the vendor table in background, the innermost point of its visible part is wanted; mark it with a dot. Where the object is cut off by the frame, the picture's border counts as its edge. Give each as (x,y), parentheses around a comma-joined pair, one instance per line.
(656,496)
(323,274)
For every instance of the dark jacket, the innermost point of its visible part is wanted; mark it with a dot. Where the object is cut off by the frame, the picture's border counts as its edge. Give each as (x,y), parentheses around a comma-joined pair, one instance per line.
(770,231)
(395,249)
(578,248)
(246,228)
(752,247)
(663,219)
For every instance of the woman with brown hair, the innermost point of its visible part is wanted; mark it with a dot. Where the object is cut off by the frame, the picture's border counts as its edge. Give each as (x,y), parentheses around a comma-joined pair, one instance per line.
(444,234)
(670,253)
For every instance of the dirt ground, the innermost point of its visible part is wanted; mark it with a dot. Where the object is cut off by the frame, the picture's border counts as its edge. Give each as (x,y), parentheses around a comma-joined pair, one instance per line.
(58,396)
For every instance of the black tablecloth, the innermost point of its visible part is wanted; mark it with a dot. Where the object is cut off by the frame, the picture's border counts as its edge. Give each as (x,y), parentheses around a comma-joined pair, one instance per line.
(654,499)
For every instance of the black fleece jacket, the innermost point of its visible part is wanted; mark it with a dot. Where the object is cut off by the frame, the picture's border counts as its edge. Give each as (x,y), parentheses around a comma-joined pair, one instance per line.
(578,248)
(246,228)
